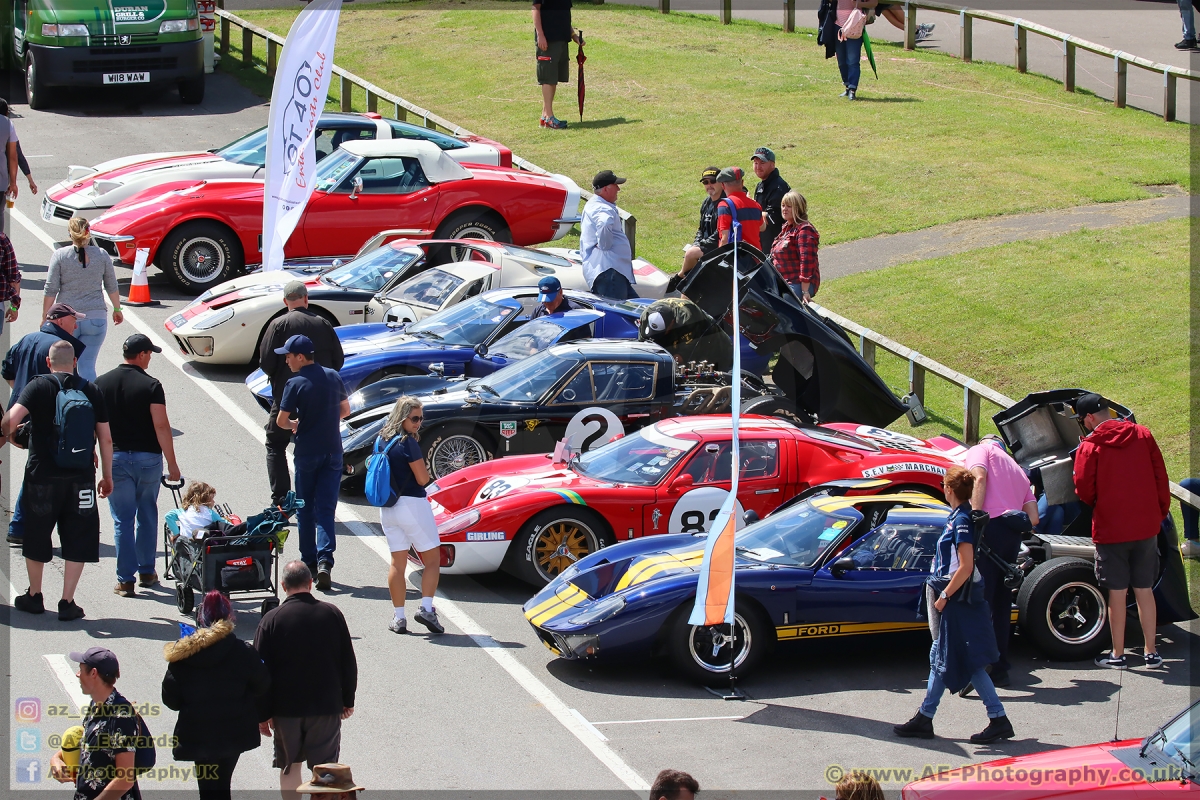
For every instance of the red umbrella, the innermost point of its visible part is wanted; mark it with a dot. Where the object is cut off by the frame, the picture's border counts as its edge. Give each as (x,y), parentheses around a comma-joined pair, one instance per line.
(580,58)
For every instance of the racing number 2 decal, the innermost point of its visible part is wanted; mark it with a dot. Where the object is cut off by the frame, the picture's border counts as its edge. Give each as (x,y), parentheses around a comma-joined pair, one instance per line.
(592,426)
(696,510)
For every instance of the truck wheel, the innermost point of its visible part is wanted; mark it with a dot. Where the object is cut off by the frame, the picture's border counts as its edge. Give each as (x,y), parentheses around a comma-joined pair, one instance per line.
(702,653)
(38,93)
(455,447)
(1063,610)
(198,255)
(191,91)
(553,540)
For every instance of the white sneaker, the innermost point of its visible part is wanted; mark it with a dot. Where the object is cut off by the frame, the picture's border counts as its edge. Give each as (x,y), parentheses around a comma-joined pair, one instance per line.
(1190,548)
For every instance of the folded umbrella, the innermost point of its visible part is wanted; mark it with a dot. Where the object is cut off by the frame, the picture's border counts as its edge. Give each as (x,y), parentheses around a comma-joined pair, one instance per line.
(580,58)
(870,54)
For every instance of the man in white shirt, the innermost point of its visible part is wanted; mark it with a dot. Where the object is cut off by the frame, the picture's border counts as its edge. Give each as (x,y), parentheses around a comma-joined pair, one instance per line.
(607,254)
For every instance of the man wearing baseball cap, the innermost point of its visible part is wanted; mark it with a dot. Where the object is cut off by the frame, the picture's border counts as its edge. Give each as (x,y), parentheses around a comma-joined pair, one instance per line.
(607,253)
(768,194)
(707,239)
(551,299)
(111,732)
(749,213)
(142,438)
(1119,472)
(299,319)
(317,396)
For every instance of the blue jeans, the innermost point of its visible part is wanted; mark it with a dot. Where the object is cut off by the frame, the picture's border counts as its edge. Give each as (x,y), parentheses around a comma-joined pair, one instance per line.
(982,683)
(1191,517)
(91,332)
(134,507)
(1052,519)
(318,479)
(849,52)
(16,527)
(1189,20)
(613,285)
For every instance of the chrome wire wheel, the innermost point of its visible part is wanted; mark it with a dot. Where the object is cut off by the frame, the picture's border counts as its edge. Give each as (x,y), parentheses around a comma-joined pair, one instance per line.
(201,259)
(710,645)
(455,452)
(1076,613)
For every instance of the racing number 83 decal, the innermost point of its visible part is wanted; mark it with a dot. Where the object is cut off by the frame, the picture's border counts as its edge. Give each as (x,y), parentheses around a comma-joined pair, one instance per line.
(697,509)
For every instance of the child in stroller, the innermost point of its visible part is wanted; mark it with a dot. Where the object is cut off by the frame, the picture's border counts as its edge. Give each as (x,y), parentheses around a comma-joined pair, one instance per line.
(198,515)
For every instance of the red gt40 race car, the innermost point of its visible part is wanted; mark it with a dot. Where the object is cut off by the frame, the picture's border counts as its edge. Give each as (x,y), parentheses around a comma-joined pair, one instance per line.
(203,232)
(534,518)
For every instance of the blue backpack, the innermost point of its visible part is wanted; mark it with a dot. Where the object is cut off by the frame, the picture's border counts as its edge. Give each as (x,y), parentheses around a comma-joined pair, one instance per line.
(75,427)
(378,486)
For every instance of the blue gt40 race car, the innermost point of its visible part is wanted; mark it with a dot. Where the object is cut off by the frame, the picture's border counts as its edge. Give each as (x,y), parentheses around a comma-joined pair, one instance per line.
(453,337)
(824,565)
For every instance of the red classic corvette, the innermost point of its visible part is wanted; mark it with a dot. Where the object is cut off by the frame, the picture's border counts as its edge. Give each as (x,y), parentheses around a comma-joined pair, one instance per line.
(534,517)
(202,232)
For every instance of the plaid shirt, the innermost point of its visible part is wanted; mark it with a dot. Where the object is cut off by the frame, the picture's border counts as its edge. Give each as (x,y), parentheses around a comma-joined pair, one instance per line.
(794,254)
(10,273)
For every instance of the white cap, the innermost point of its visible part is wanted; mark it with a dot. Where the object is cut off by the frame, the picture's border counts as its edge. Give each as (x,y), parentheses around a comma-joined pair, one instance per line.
(656,322)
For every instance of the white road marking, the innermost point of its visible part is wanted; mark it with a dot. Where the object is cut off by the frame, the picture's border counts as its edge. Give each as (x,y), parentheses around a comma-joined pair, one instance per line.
(349,517)
(592,728)
(665,719)
(13,594)
(62,669)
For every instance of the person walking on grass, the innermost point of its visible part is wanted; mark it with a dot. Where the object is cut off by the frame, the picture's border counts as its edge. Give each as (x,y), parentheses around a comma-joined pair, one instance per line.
(1119,472)
(60,487)
(408,521)
(553,34)
(142,439)
(80,274)
(307,648)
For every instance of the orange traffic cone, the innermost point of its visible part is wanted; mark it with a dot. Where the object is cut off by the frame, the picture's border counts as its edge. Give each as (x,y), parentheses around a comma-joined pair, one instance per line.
(139,288)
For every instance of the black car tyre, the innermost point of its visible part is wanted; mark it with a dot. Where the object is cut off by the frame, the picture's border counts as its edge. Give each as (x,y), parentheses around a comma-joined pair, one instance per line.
(702,653)
(36,90)
(554,539)
(772,406)
(474,223)
(1062,609)
(185,598)
(454,447)
(191,92)
(198,255)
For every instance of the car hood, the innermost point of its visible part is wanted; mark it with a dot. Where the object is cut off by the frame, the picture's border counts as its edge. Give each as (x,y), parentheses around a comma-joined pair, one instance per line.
(131,168)
(523,476)
(163,198)
(373,337)
(1070,772)
(843,387)
(360,429)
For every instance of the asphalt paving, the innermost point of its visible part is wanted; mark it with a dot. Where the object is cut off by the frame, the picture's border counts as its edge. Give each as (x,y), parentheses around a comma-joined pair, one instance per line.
(484,707)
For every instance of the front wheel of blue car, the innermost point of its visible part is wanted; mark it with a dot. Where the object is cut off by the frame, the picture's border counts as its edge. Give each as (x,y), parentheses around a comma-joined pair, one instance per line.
(704,652)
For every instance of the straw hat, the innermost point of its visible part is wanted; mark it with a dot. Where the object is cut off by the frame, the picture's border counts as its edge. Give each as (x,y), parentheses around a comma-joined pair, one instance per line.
(330,779)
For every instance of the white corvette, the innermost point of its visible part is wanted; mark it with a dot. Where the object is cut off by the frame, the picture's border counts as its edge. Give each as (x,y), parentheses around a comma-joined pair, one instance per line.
(402,280)
(90,191)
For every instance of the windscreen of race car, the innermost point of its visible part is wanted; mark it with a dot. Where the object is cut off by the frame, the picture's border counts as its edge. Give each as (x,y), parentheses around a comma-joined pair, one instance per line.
(798,537)
(641,459)
(371,272)
(466,324)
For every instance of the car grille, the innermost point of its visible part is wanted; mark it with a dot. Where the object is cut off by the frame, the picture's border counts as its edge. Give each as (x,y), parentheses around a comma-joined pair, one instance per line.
(549,640)
(114,40)
(62,212)
(127,64)
(105,245)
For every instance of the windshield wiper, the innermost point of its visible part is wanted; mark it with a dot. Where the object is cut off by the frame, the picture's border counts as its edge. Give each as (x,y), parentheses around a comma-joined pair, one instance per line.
(486,388)
(430,335)
(330,281)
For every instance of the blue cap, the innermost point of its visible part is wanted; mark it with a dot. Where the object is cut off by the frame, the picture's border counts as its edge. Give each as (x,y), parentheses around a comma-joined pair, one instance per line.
(548,287)
(297,344)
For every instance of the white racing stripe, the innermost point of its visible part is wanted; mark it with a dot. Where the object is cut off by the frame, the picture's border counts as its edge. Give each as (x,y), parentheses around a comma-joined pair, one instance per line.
(350,518)
(62,669)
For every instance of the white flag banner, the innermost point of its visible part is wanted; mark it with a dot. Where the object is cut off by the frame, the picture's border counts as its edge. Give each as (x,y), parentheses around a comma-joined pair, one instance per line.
(297,100)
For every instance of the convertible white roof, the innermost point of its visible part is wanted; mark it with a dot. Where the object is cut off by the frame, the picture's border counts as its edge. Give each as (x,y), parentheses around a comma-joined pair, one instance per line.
(438,166)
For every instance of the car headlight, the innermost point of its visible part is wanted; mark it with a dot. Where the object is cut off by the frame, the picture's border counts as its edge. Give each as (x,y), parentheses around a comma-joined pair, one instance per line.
(431,488)
(458,522)
(178,25)
(600,611)
(224,315)
(356,402)
(64,30)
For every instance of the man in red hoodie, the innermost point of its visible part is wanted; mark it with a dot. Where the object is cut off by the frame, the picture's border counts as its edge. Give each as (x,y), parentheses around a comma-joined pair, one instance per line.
(1119,472)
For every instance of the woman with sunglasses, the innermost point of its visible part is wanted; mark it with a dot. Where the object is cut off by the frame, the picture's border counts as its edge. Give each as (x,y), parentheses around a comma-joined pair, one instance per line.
(964,643)
(408,522)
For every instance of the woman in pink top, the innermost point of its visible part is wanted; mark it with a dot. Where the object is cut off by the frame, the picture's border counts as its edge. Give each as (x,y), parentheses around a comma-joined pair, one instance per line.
(849,51)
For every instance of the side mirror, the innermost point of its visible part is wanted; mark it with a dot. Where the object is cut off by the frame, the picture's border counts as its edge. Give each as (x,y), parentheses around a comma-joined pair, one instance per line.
(750,517)
(842,565)
(438,369)
(681,484)
(481,349)
(356,187)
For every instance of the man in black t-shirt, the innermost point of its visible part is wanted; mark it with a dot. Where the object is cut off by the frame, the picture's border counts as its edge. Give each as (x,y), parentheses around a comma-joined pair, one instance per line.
(55,495)
(141,435)
(553,33)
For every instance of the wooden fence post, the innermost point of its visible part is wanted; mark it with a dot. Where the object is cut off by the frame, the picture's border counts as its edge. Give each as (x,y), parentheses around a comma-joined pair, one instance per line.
(247,47)
(868,350)
(970,416)
(1170,87)
(1020,54)
(664,6)
(631,234)
(965,41)
(910,26)
(916,380)
(726,12)
(1068,65)
(272,57)
(346,88)
(401,112)
(372,102)
(1122,69)
(224,36)
(789,16)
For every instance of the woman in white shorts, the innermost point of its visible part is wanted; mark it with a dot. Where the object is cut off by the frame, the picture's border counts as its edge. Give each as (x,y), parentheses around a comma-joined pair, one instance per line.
(408,521)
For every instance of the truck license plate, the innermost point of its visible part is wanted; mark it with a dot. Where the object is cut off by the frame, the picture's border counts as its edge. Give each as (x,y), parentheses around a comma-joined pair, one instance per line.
(127,77)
